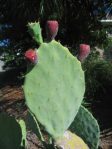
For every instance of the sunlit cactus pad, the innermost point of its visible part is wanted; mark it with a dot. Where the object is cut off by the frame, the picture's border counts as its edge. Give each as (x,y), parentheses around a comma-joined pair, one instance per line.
(86,126)
(71,141)
(54,88)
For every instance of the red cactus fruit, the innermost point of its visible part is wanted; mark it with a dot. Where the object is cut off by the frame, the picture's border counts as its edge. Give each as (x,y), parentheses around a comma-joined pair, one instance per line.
(84,51)
(31,55)
(51,29)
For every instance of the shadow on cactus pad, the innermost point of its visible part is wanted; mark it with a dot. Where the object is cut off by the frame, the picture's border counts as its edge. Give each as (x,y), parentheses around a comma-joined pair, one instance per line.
(11,133)
(86,126)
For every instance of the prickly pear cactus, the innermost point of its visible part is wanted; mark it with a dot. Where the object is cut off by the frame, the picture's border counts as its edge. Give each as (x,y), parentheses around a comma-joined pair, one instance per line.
(70,141)
(54,88)
(35,31)
(11,134)
(86,126)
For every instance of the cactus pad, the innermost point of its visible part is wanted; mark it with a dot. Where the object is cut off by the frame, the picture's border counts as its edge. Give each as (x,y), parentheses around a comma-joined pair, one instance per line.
(54,88)
(24,133)
(35,31)
(86,127)
(10,133)
(70,141)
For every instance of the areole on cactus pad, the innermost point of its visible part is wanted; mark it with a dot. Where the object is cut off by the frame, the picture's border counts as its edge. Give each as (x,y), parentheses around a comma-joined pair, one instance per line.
(54,88)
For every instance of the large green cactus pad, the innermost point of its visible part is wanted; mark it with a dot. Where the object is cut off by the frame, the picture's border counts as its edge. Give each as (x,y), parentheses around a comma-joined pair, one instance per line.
(86,126)
(54,88)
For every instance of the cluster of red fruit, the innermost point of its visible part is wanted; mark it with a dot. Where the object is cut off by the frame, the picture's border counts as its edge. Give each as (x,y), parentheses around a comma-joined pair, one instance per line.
(51,32)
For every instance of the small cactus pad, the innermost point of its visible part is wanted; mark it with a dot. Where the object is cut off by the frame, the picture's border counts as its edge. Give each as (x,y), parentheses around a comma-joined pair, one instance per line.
(54,88)
(24,133)
(70,141)
(86,127)
(10,133)
(35,31)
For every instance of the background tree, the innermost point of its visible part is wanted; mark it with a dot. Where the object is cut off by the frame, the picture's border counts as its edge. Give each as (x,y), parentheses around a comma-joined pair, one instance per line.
(79,22)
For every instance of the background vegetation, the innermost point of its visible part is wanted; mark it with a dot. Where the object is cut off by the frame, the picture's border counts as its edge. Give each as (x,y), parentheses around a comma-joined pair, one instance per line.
(79,22)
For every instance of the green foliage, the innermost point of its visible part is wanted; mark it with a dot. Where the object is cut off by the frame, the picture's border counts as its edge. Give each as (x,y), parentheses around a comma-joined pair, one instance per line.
(71,32)
(57,80)
(13,55)
(52,10)
(98,78)
(12,133)
(24,11)
(98,37)
(107,49)
(86,126)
